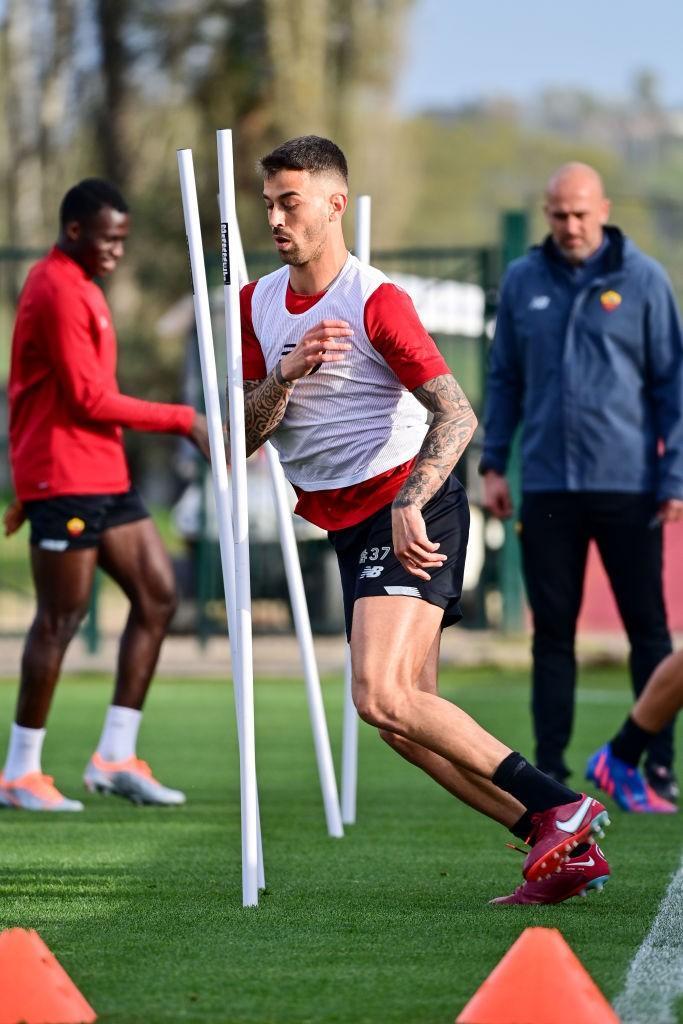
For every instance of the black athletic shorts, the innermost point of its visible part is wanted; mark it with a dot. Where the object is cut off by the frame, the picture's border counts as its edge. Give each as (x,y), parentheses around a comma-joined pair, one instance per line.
(369,567)
(73,521)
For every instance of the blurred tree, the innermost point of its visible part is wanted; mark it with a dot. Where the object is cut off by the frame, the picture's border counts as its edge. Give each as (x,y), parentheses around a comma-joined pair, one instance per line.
(298,44)
(646,91)
(112,17)
(334,68)
(114,87)
(24,169)
(37,45)
(36,55)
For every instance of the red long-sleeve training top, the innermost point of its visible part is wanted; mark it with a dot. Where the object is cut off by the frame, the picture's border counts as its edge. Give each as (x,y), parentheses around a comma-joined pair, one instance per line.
(66,410)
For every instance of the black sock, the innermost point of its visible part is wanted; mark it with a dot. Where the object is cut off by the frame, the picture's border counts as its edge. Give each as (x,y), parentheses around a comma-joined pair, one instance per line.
(523,828)
(533,789)
(630,742)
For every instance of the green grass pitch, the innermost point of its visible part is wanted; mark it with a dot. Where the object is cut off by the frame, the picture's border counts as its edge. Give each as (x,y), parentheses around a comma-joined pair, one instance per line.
(389,925)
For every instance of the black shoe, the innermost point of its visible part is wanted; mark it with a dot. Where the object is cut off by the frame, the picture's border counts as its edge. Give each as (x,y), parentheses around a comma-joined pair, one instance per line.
(663,781)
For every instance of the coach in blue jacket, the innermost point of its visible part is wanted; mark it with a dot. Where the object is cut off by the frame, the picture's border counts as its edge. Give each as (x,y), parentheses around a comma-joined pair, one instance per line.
(588,355)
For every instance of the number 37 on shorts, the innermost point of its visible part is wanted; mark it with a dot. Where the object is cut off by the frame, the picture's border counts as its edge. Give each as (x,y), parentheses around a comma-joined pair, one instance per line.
(373,554)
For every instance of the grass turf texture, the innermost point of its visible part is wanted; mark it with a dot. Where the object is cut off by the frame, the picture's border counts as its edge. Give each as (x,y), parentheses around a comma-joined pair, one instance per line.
(390,924)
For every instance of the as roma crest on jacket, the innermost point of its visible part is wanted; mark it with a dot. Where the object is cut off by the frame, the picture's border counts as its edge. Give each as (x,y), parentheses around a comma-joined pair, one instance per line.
(610,301)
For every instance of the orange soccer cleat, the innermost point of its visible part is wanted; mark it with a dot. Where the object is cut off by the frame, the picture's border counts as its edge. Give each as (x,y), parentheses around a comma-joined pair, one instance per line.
(35,792)
(131,779)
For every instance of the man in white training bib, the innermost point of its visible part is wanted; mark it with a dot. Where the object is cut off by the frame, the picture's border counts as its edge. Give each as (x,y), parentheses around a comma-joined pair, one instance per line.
(369,424)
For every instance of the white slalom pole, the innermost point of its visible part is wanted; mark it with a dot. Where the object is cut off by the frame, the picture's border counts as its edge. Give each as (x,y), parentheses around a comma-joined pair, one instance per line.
(223,501)
(238,461)
(350,731)
(349,748)
(363,221)
(302,622)
(243,278)
(297,595)
(218,462)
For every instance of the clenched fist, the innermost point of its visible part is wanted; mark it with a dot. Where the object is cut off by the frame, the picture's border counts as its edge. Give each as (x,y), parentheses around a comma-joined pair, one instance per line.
(318,345)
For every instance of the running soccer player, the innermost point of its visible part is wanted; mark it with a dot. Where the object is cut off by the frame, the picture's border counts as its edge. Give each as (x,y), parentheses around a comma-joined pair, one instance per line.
(72,483)
(614,767)
(369,423)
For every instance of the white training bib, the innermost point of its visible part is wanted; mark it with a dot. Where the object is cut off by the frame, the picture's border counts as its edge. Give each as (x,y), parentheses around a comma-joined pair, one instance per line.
(349,421)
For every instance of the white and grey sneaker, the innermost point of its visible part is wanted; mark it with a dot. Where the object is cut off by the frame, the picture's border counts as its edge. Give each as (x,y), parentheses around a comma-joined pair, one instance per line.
(35,792)
(131,779)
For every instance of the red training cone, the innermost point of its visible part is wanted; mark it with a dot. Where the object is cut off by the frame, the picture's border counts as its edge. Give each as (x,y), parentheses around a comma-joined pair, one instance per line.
(538,981)
(34,987)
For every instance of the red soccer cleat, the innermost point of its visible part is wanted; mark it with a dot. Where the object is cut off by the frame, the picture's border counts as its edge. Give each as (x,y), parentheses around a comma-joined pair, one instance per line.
(578,875)
(559,830)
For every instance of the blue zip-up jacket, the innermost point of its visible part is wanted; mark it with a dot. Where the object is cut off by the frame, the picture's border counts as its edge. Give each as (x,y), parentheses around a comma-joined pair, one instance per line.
(591,361)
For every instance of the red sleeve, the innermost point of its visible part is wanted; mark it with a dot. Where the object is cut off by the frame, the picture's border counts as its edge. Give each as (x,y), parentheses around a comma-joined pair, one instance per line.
(253,363)
(91,392)
(394,329)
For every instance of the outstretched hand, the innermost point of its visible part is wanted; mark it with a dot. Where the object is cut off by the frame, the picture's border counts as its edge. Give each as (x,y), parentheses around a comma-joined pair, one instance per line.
(414,550)
(199,435)
(13,517)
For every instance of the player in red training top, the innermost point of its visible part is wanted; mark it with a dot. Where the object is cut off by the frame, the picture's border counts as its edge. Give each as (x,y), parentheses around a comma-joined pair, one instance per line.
(72,483)
(369,424)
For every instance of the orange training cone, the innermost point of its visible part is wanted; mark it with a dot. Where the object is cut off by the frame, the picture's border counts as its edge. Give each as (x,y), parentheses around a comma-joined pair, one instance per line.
(34,987)
(538,981)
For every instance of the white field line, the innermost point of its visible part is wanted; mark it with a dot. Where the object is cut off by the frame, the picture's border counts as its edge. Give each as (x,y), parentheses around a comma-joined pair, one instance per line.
(655,978)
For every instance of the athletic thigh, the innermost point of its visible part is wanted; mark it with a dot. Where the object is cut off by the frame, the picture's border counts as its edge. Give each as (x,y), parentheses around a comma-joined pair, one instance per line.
(394,644)
(63,580)
(135,557)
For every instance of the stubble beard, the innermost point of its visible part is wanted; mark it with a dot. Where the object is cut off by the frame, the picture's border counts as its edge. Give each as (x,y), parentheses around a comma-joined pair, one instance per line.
(580,255)
(296,257)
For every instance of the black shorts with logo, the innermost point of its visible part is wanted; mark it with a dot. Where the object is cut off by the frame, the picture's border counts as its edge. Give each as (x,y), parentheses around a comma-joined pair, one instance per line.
(75,521)
(369,567)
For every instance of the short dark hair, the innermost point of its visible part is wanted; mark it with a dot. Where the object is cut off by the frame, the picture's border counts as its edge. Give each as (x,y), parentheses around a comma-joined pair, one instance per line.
(87,198)
(305,153)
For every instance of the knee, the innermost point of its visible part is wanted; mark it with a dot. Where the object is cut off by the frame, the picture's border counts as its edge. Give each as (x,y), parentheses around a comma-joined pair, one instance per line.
(168,604)
(59,627)
(158,604)
(553,634)
(396,742)
(385,709)
(165,606)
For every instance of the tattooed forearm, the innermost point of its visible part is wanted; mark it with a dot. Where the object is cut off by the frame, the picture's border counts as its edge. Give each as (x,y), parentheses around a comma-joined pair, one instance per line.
(265,402)
(452,426)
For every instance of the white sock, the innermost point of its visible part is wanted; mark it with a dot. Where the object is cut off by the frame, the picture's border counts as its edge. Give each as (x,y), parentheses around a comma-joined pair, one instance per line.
(23,755)
(120,733)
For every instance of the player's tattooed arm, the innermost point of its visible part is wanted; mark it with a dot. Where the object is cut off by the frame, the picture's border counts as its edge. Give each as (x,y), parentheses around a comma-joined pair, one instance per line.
(265,402)
(452,425)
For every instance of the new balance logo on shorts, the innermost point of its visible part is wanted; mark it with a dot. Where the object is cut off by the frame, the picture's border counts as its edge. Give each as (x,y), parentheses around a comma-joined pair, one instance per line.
(371,572)
(403,592)
(53,545)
